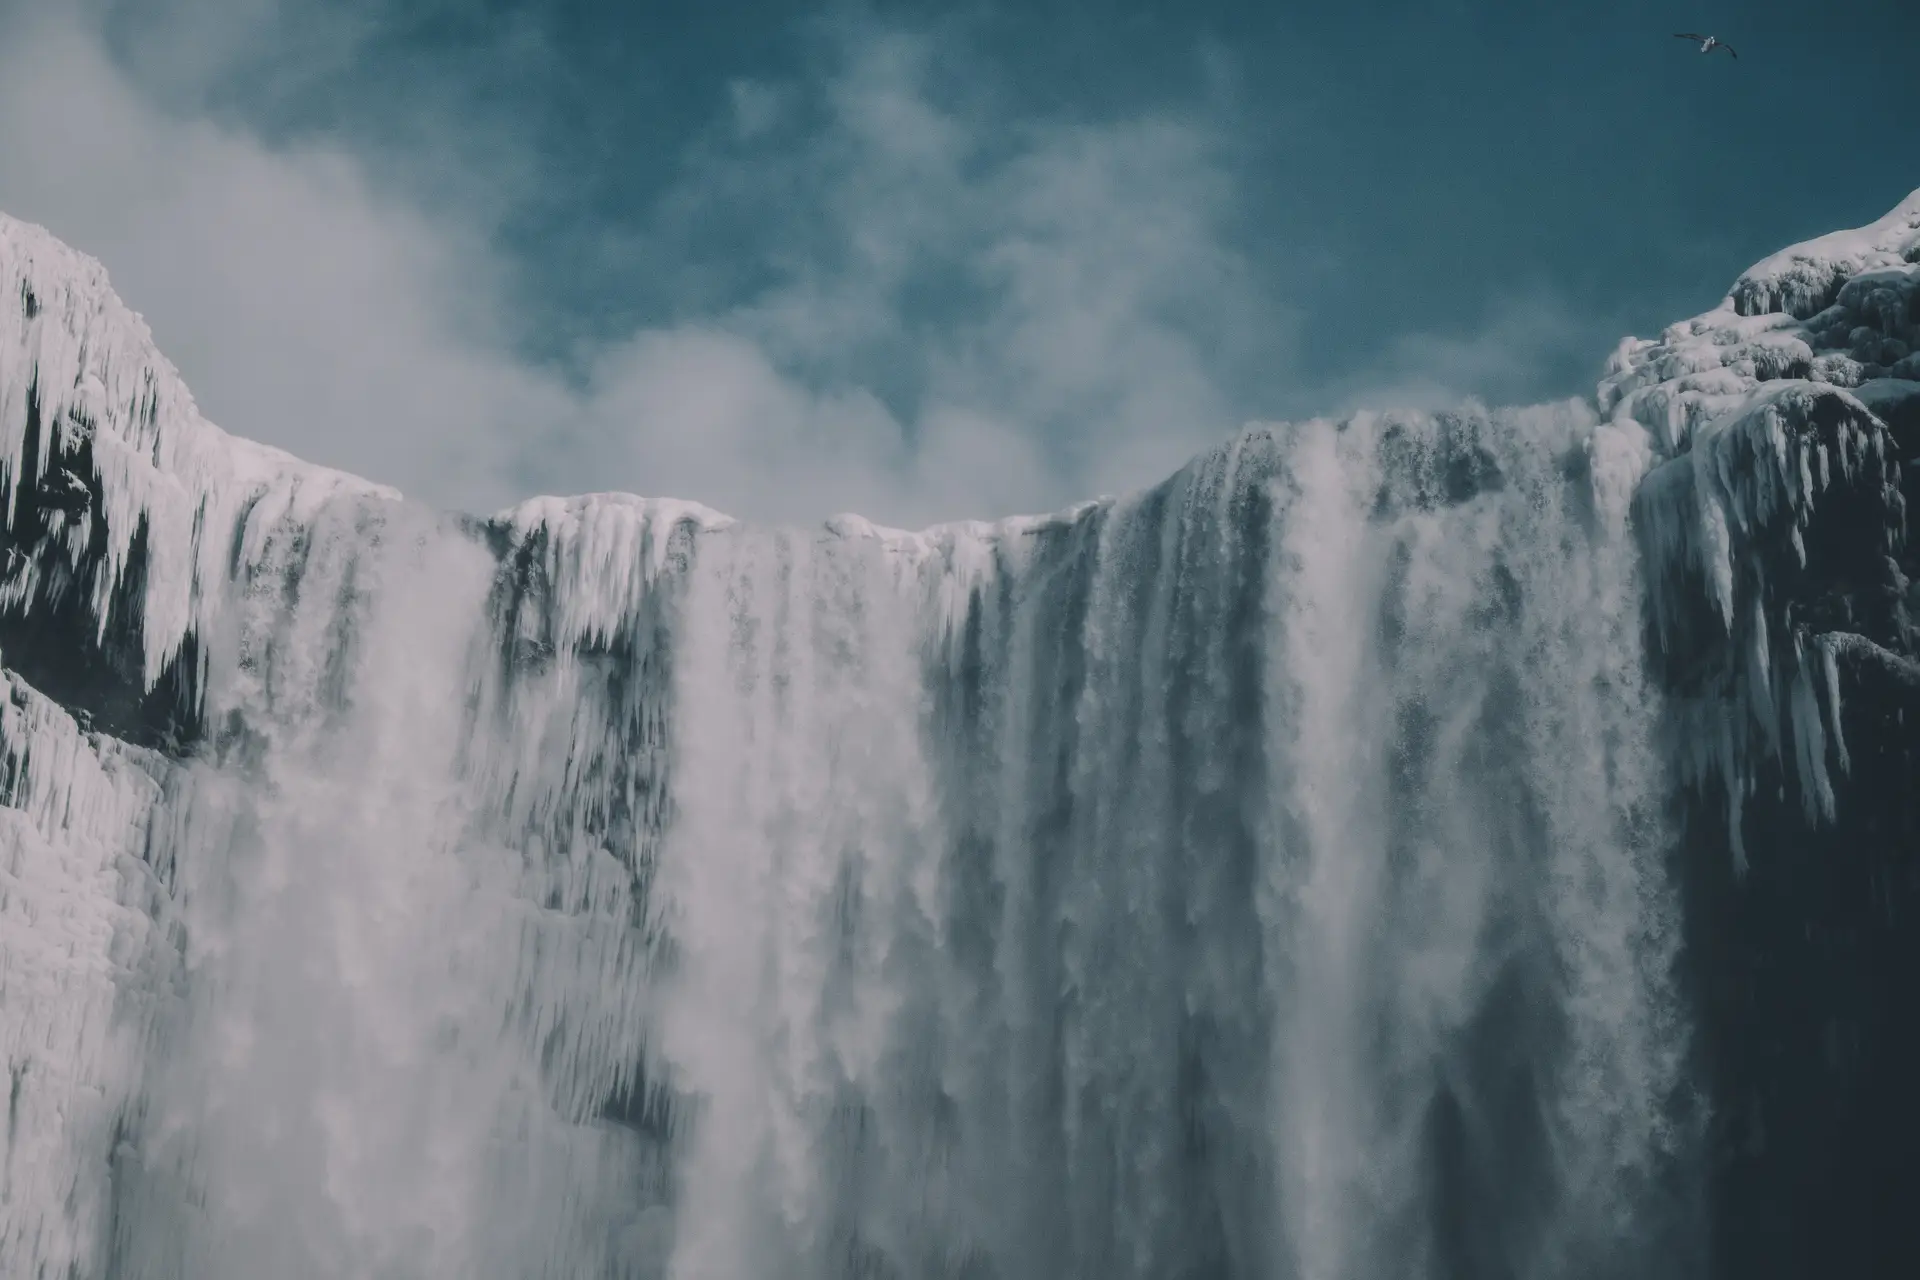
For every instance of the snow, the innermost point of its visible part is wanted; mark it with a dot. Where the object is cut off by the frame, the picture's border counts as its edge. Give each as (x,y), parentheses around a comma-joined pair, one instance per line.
(795,830)
(1889,398)
(1825,327)
(198,492)
(1832,310)
(1804,278)
(951,562)
(601,555)
(79,913)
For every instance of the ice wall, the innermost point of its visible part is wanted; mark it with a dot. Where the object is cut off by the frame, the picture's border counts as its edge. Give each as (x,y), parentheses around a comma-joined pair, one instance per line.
(1268,874)
(85,962)
(1781,581)
(1775,528)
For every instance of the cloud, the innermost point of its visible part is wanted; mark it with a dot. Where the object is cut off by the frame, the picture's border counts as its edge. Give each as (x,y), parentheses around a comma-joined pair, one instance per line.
(950,312)
(304,308)
(968,314)
(1527,344)
(756,107)
(1072,285)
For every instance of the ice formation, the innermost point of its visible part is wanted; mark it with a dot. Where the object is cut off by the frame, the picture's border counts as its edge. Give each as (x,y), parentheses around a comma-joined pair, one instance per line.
(1265,874)
(1773,409)
(83,382)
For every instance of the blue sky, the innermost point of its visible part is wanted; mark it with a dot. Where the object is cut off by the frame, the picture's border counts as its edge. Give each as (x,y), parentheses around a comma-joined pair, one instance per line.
(918,260)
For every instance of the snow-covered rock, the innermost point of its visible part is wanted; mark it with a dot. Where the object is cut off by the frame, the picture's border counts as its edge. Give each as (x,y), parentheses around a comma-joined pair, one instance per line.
(1780,577)
(1784,419)
(1264,873)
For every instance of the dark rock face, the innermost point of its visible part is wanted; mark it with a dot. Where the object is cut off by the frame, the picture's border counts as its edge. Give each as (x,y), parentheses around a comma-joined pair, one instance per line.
(1803,914)
(1406,645)
(1802,970)
(53,635)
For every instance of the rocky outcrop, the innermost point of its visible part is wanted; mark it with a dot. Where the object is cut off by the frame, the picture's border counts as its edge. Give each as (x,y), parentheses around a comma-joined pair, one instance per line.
(1783,586)
(1479,844)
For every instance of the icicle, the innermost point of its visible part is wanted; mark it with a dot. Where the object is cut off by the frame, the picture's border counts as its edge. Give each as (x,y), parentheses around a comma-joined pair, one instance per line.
(601,555)
(1747,490)
(668,897)
(83,969)
(81,355)
(1804,278)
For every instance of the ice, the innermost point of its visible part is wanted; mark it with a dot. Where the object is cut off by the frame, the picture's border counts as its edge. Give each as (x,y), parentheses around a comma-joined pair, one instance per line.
(1026,893)
(1805,278)
(761,914)
(1717,522)
(85,366)
(1735,401)
(1830,309)
(83,956)
(1262,873)
(601,554)
(1891,399)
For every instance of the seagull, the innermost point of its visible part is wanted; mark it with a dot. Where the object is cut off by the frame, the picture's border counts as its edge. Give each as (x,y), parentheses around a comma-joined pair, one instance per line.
(1707,43)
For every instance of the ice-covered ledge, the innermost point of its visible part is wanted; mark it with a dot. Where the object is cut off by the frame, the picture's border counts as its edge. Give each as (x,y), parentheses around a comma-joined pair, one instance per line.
(103,452)
(121,500)
(1775,528)
(1840,311)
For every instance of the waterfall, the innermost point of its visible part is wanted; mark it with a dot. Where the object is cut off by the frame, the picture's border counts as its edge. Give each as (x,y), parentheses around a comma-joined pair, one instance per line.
(1262,875)
(1331,863)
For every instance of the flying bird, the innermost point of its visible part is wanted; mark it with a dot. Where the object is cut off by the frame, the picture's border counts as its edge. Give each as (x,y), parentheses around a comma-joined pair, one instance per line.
(1707,43)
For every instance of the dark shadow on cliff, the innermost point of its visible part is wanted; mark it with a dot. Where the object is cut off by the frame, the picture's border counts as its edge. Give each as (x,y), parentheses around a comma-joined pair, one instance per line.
(1803,966)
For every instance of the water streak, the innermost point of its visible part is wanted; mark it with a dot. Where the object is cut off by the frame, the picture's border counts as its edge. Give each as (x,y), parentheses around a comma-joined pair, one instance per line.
(1257,876)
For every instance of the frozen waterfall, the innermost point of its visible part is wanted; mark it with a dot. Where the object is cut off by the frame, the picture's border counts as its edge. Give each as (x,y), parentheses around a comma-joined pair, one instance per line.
(1260,876)
(1269,875)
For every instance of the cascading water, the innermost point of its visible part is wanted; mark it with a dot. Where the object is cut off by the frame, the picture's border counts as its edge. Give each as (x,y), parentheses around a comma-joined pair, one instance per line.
(1261,876)
(1273,874)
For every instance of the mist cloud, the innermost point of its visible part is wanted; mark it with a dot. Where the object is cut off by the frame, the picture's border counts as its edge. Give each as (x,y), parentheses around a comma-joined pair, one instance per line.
(950,311)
